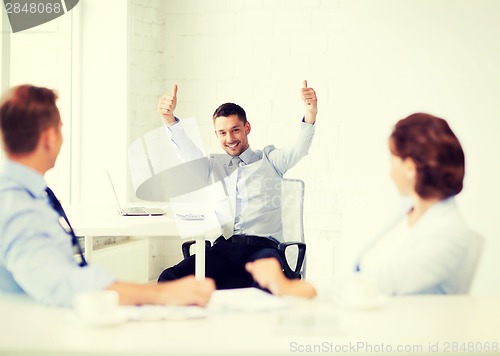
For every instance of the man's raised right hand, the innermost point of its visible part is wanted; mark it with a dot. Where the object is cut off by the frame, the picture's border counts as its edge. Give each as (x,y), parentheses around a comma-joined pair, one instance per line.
(166,106)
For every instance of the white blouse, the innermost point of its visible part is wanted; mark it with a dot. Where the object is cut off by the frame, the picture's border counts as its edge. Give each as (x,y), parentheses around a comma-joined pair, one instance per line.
(385,248)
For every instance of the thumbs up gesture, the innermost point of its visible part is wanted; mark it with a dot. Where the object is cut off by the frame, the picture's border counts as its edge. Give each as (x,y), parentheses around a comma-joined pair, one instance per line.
(166,106)
(310,102)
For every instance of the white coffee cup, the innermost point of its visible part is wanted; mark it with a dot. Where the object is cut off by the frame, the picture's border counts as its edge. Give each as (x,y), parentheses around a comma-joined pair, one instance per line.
(98,308)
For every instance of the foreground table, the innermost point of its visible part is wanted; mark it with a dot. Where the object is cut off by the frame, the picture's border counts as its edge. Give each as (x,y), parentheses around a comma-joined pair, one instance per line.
(417,324)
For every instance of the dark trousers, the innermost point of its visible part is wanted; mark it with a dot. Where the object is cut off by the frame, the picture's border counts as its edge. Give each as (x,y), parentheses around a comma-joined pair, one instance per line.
(225,261)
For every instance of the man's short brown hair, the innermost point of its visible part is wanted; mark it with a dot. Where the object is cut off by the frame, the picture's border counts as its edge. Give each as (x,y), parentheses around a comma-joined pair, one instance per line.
(25,112)
(229,109)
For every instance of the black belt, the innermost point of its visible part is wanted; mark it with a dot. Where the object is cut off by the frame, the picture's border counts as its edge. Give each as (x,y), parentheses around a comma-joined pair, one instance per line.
(249,240)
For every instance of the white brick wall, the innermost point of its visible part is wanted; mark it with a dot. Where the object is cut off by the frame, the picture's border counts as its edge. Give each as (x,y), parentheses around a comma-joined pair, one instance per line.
(371,63)
(146,64)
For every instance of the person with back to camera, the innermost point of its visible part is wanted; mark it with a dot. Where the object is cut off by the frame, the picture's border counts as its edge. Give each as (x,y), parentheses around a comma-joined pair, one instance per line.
(423,249)
(253,229)
(36,239)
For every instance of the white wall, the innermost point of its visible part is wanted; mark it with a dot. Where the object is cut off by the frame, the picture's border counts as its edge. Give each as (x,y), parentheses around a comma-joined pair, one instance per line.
(104,106)
(146,64)
(372,63)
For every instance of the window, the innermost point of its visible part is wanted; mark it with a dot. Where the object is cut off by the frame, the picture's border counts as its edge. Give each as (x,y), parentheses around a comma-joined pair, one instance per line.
(42,56)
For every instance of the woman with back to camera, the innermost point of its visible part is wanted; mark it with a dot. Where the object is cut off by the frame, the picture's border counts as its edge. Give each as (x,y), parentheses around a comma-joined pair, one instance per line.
(422,250)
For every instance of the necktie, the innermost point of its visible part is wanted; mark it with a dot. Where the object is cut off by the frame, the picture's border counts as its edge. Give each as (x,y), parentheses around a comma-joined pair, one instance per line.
(56,205)
(234,164)
(228,228)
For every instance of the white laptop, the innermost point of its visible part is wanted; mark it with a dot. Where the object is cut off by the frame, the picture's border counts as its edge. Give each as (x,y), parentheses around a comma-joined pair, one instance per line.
(134,211)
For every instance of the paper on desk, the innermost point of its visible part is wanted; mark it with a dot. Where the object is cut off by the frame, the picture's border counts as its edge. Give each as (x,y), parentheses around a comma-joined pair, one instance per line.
(245,299)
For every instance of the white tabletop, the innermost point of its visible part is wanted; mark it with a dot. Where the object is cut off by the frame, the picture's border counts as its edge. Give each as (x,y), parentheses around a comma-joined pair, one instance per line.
(106,221)
(94,221)
(420,322)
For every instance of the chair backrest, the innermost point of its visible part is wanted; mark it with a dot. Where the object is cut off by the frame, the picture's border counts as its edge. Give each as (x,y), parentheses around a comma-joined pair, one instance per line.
(468,268)
(292,215)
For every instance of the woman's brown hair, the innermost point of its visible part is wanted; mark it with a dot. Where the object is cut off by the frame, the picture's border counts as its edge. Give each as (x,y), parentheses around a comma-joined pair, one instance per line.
(436,151)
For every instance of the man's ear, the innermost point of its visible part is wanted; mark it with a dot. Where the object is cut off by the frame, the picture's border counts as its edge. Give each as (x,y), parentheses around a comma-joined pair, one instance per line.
(48,137)
(45,139)
(248,127)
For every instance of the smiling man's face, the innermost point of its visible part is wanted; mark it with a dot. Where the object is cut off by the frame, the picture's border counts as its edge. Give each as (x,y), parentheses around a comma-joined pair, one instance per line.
(232,134)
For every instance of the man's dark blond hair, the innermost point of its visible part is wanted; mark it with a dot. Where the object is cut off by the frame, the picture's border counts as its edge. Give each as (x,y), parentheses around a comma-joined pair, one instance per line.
(25,112)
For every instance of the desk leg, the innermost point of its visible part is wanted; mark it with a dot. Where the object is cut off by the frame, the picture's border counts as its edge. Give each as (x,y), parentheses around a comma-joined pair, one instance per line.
(88,248)
(200,257)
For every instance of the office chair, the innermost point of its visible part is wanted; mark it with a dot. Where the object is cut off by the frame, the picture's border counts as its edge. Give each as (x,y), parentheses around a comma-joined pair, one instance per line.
(468,268)
(293,249)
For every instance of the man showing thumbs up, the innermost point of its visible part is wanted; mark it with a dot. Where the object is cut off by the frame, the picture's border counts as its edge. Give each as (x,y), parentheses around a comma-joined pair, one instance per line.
(167,105)
(311,103)
(252,180)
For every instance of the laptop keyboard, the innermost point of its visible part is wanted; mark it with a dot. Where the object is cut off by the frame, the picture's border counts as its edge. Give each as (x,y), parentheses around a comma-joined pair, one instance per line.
(135,210)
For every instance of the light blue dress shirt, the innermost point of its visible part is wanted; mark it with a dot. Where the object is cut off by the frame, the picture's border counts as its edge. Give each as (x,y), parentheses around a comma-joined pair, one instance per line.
(36,253)
(257,192)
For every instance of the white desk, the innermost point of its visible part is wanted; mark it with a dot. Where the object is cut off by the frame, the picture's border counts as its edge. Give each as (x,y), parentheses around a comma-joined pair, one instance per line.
(105,221)
(422,323)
